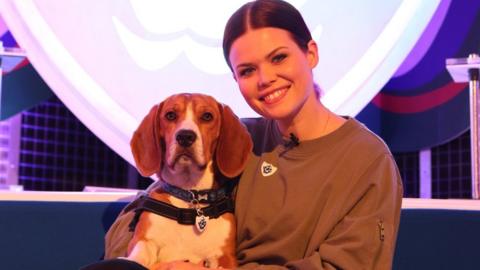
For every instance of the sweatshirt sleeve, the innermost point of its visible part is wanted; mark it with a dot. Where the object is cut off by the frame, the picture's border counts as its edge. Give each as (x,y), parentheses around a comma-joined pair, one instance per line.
(365,237)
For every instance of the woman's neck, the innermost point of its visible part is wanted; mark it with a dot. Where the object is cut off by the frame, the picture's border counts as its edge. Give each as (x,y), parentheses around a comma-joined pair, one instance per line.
(312,121)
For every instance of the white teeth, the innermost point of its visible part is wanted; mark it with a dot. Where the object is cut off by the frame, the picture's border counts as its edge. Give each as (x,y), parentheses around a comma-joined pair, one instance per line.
(273,95)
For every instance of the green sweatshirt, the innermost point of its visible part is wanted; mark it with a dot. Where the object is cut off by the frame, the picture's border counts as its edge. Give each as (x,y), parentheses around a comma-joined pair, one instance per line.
(328,203)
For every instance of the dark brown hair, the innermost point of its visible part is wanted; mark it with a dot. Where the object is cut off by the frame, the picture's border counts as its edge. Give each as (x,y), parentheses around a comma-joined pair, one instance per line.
(265,13)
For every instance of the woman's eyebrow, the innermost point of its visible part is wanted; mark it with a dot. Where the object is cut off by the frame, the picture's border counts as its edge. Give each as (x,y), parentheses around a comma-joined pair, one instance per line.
(243,65)
(266,57)
(274,51)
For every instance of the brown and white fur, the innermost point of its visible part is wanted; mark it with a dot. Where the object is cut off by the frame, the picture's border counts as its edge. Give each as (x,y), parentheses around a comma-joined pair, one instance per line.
(219,144)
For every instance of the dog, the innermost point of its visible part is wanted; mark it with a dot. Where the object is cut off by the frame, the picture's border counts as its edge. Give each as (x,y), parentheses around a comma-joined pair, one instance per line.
(194,145)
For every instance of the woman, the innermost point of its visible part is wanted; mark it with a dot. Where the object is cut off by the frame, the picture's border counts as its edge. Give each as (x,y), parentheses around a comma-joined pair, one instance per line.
(320,191)
(330,200)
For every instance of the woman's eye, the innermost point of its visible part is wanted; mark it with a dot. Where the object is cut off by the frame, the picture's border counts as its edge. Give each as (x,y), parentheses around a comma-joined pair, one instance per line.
(207,116)
(171,116)
(245,72)
(278,58)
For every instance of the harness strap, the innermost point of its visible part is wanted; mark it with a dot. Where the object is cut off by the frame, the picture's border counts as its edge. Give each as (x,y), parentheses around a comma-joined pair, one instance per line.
(185,216)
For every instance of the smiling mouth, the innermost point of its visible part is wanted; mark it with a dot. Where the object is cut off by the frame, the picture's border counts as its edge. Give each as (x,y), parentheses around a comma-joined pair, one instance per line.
(275,95)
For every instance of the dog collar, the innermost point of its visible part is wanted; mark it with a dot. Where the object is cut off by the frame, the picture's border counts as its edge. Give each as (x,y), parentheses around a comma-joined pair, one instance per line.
(185,216)
(202,196)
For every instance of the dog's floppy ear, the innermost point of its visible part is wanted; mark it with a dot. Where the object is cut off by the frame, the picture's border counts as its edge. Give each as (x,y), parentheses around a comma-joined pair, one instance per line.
(234,144)
(145,144)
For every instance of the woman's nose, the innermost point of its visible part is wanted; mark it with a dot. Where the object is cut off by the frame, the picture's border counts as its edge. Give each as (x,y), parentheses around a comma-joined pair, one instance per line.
(266,77)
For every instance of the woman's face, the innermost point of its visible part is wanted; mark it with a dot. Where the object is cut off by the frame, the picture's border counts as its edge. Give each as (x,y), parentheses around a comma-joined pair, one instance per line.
(272,72)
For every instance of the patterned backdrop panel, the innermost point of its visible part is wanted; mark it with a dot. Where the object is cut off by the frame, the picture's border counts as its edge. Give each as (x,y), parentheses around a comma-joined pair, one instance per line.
(420,106)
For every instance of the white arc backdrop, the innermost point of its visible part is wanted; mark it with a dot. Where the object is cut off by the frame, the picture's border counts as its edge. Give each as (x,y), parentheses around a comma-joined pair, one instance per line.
(110,61)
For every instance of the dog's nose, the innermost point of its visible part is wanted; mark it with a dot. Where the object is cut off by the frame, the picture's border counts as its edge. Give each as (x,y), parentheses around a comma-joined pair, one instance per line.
(186,137)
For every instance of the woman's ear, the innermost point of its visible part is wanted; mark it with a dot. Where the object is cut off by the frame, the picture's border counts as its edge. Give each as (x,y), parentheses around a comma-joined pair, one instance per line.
(312,53)
(145,144)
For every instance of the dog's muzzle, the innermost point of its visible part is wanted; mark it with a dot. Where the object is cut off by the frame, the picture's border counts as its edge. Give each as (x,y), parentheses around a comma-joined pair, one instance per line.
(185,154)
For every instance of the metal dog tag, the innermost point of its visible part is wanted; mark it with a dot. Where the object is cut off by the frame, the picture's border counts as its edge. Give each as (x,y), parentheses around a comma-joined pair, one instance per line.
(201,222)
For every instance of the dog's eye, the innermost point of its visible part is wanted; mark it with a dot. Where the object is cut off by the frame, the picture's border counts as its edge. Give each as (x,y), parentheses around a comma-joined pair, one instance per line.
(171,116)
(207,116)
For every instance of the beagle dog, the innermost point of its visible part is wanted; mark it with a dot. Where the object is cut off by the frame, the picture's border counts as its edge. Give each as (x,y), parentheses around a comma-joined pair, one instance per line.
(195,146)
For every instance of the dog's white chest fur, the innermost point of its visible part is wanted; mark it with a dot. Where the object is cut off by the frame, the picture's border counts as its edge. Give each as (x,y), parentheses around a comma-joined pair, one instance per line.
(182,242)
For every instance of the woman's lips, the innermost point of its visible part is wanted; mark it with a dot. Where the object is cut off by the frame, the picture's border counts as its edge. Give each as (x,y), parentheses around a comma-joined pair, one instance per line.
(275,96)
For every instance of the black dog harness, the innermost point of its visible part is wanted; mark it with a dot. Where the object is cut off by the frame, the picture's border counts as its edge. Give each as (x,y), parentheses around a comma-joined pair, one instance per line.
(220,201)
(185,216)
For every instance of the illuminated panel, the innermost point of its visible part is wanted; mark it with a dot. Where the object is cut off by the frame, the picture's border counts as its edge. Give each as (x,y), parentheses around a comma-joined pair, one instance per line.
(110,62)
